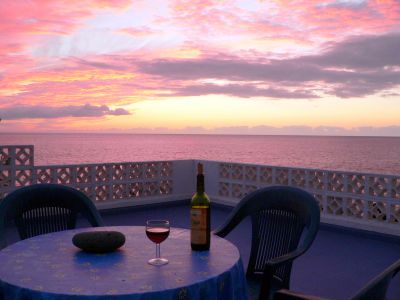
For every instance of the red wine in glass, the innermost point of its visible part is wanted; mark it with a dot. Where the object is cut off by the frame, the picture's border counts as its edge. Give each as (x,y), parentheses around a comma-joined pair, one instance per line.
(157,231)
(157,235)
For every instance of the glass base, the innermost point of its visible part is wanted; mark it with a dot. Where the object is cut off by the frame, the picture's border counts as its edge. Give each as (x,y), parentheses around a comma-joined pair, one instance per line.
(158,261)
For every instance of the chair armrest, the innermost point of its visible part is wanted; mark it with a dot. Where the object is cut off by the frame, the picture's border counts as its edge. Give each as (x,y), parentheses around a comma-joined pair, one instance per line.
(290,295)
(271,266)
(281,260)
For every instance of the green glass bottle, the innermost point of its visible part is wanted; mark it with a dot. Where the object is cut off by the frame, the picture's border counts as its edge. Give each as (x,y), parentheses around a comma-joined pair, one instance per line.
(200,215)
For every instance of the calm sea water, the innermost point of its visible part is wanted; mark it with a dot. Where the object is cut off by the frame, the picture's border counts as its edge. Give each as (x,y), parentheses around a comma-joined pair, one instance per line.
(364,154)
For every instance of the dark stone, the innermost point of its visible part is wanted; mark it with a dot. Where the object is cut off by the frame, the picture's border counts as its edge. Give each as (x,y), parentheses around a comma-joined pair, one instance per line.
(99,241)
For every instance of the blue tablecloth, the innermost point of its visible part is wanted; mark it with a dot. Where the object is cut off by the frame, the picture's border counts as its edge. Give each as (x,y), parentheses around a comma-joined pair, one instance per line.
(51,267)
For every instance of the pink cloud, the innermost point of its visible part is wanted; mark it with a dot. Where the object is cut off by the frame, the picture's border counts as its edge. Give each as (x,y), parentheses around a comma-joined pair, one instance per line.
(23,24)
(223,40)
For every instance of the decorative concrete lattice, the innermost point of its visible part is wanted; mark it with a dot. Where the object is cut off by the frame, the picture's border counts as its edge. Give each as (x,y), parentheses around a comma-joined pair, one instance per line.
(248,189)
(102,173)
(5,178)
(377,211)
(237,172)
(166,187)
(119,172)
(353,195)
(316,180)
(5,158)
(378,186)
(100,182)
(320,199)
(151,188)
(166,170)
(355,208)
(299,178)
(237,190)
(23,156)
(119,191)
(364,198)
(64,176)
(266,175)
(395,188)
(151,170)
(224,171)
(223,189)
(135,171)
(336,182)
(250,173)
(356,184)
(135,189)
(16,164)
(102,192)
(394,213)
(43,175)
(335,205)
(83,174)
(23,177)
(282,176)
(87,190)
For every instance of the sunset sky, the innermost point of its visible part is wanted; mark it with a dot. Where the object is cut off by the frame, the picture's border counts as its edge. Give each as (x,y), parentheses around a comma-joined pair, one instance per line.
(200,66)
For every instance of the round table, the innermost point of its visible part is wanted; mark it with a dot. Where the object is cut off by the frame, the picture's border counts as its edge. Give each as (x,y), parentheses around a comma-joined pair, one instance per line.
(50,267)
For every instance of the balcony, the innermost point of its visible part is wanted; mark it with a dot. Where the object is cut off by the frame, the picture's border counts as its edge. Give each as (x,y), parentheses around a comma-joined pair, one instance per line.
(360,213)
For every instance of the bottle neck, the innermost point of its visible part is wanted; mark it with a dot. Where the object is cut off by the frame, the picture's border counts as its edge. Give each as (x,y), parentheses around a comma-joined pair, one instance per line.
(200,183)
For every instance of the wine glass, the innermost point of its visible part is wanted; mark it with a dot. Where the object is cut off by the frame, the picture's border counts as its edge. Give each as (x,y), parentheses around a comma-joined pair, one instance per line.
(157,231)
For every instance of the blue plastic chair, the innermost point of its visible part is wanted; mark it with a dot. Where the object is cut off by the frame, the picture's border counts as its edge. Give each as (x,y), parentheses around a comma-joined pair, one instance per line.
(374,290)
(44,208)
(285,221)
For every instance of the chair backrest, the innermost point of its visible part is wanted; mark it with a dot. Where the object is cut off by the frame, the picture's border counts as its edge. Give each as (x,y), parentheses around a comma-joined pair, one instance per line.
(44,208)
(281,216)
(376,289)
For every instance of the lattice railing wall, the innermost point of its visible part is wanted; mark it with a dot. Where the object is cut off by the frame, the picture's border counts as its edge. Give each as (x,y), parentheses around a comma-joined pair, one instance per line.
(101,182)
(15,163)
(372,199)
(354,196)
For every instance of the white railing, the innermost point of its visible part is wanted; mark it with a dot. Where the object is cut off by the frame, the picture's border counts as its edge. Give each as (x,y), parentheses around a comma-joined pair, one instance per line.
(109,185)
(365,201)
(358,200)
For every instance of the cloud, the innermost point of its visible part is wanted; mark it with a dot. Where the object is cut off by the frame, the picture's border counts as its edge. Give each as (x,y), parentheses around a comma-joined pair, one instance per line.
(360,66)
(345,3)
(50,112)
(241,90)
(97,64)
(393,130)
(369,52)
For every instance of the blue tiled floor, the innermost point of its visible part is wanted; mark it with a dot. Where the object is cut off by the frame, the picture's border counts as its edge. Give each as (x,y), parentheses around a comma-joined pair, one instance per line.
(336,266)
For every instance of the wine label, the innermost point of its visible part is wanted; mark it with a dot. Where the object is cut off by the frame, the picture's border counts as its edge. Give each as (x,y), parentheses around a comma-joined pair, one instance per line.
(198,219)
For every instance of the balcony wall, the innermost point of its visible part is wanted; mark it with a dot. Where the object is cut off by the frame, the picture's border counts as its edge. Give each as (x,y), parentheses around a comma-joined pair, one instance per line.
(351,199)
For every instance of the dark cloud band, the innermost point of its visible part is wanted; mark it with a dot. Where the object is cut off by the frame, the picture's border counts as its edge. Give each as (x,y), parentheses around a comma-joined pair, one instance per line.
(50,112)
(357,67)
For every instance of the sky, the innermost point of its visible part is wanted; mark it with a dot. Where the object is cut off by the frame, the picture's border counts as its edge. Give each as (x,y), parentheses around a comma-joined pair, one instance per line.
(200,66)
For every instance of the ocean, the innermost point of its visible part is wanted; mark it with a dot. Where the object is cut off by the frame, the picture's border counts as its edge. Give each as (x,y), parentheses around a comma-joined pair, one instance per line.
(360,154)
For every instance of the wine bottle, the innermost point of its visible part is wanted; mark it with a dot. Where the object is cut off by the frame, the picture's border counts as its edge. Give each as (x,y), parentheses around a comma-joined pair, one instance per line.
(200,215)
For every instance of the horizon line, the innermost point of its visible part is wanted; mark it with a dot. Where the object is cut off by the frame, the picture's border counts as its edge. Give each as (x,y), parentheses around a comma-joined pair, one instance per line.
(205,134)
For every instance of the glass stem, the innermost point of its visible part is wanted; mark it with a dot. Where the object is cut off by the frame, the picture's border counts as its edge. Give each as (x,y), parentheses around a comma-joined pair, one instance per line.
(157,250)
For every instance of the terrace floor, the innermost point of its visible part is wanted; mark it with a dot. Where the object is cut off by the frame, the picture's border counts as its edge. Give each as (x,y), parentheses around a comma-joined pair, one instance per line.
(339,262)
